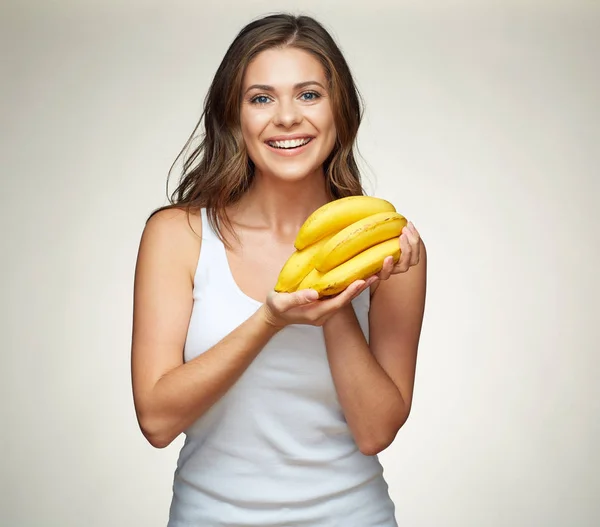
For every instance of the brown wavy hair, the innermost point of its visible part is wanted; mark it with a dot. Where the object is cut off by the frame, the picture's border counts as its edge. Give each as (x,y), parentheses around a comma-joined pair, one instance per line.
(218,171)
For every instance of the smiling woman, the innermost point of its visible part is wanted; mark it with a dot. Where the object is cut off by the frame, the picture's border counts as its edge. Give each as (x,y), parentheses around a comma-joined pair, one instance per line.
(285,399)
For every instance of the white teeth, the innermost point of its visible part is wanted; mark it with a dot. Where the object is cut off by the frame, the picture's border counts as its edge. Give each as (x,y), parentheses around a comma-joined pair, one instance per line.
(293,143)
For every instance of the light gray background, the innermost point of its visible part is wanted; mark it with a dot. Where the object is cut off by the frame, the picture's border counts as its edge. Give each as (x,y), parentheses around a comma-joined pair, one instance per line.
(482,126)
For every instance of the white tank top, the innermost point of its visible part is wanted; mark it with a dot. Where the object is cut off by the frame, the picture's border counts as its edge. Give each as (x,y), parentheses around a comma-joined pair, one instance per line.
(275,450)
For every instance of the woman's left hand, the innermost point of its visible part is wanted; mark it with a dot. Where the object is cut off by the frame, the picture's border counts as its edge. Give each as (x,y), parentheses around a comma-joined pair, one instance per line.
(410,246)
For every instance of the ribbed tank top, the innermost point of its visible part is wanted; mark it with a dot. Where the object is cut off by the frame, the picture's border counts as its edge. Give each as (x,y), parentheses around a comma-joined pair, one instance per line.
(275,450)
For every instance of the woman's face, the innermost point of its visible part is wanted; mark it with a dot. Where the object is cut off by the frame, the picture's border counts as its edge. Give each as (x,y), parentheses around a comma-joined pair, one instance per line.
(286,116)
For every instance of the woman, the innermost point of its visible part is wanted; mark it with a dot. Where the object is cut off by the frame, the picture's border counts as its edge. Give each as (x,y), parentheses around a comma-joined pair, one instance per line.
(285,399)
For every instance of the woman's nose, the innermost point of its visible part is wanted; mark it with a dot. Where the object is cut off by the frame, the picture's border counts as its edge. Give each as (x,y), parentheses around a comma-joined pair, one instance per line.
(287,114)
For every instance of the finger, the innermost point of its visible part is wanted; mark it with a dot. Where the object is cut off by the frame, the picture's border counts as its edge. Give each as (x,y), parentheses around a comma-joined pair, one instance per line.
(368,283)
(405,247)
(414,229)
(414,240)
(414,236)
(305,296)
(387,268)
(354,289)
(405,255)
(364,286)
(372,280)
(388,265)
(333,303)
(285,301)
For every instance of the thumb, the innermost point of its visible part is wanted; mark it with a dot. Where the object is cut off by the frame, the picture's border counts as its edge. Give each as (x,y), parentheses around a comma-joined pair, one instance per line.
(281,302)
(303,297)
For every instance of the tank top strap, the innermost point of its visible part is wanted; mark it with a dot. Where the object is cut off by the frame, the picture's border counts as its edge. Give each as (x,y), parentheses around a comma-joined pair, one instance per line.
(212,264)
(213,272)
(207,232)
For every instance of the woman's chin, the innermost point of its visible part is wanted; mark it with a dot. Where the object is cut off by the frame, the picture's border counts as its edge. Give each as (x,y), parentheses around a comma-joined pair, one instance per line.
(294,171)
(292,175)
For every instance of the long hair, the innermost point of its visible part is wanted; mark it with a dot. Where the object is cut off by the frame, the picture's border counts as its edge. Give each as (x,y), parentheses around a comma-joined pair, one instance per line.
(218,171)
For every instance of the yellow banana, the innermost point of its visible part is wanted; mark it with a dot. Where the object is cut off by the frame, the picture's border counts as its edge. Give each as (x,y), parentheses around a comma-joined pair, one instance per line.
(310,280)
(357,237)
(362,266)
(336,215)
(297,266)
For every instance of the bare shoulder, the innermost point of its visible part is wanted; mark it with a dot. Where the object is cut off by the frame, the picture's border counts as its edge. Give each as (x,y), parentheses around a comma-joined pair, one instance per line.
(175,222)
(173,236)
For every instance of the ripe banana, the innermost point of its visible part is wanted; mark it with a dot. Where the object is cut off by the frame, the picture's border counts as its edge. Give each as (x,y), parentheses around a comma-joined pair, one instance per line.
(362,266)
(298,265)
(336,215)
(357,237)
(310,280)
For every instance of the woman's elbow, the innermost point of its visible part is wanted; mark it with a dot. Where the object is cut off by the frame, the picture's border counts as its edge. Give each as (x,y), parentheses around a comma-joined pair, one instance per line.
(374,445)
(158,441)
(376,442)
(155,431)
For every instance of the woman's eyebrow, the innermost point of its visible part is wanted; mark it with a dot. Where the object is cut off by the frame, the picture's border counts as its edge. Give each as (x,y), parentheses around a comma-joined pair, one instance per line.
(266,87)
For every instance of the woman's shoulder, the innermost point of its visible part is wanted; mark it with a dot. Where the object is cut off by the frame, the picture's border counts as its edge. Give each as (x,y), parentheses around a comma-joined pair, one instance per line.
(176,221)
(174,232)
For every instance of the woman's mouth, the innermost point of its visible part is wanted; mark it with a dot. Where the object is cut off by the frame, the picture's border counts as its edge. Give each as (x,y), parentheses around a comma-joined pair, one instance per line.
(289,144)
(289,147)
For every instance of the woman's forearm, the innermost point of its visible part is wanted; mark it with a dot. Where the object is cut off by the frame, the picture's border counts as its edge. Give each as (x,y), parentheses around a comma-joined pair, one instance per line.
(185,393)
(372,404)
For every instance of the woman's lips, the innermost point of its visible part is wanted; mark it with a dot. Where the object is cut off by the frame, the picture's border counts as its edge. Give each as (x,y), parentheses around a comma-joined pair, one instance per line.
(289,152)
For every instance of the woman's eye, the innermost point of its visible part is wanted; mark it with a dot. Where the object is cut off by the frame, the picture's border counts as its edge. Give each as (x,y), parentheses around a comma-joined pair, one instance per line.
(260,99)
(310,96)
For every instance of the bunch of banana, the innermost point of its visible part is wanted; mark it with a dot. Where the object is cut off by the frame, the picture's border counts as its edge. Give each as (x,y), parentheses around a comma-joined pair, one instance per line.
(344,240)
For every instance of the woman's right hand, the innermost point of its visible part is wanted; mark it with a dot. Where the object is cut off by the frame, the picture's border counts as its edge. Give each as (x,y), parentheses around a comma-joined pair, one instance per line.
(305,306)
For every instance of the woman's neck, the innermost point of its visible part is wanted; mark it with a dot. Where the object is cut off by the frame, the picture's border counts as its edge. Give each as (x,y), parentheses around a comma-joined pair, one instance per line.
(279,206)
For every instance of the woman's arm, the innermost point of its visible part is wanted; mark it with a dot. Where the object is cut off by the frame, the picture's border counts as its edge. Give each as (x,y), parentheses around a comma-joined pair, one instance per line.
(375,380)
(168,394)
